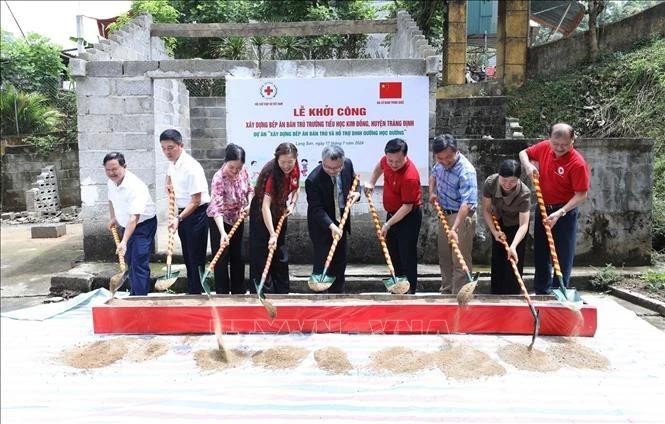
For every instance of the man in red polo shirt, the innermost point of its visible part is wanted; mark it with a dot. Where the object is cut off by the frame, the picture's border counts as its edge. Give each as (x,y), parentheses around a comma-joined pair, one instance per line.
(565,182)
(402,198)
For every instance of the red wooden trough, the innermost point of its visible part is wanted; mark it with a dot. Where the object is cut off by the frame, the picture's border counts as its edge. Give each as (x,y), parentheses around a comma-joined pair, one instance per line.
(360,314)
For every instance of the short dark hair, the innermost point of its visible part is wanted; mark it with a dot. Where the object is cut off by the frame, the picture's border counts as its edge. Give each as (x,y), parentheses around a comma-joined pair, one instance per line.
(234,152)
(443,142)
(115,156)
(510,168)
(396,145)
(171,135)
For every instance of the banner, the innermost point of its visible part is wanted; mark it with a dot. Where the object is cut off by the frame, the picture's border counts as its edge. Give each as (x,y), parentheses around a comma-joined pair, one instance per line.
(360,114)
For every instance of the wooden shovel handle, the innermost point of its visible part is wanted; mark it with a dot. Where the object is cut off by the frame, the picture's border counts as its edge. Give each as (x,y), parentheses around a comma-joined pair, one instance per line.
(548,229)
(345,215)
(226,242)
(271,249)
(453,243)
(172,215)
(511,260)
(382,240)
(121,255)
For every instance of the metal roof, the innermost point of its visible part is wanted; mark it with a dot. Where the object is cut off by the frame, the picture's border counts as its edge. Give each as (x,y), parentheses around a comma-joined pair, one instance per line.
(561,15)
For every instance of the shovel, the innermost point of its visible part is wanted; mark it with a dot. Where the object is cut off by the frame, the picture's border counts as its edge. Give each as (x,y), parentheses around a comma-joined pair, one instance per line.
(570,298)
(270,308)
(465,294)
(536,314)
(394,284)
(217,323)
(120,278)
(222,246)
(167,280)
(322,282)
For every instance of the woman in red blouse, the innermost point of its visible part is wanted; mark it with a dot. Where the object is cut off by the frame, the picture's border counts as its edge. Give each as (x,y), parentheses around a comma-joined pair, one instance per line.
(276,193)
(231,192)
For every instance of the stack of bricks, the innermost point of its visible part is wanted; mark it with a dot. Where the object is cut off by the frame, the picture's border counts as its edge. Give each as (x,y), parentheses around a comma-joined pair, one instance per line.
(45,193)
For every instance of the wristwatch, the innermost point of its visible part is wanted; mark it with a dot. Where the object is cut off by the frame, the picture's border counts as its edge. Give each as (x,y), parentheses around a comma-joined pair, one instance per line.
(564,211)
(179,218)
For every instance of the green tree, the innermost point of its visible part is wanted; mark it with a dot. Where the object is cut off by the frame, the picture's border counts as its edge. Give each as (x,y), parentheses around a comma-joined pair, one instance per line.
(31,64)
(26,113)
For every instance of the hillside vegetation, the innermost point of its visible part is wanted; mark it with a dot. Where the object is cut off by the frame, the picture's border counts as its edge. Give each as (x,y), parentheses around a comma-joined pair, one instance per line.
(623,95)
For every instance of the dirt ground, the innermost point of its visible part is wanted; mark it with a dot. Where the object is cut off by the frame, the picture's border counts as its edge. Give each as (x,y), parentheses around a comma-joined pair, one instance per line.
(642,287)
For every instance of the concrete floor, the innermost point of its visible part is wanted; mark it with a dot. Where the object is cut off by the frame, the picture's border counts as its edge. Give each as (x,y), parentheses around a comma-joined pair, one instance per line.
(27,264)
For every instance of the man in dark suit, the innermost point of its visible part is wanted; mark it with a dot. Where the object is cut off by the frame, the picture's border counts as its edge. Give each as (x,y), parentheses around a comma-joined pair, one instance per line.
(327,188)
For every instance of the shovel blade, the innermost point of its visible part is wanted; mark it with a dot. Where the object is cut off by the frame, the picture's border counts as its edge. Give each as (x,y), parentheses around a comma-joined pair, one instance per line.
(320,282)
(205,281)
(397,285)
(536,328)
(570,298)
(164,282)
(118,280)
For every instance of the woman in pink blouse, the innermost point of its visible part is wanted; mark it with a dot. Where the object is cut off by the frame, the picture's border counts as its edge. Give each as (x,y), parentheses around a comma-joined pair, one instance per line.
(230,192)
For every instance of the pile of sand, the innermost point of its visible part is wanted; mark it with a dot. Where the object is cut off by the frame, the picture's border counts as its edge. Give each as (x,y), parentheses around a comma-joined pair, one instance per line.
(578,356)
(280,357)
(145,350)
(401,360)
(97,354)
(333,360)
(521,357)
(466,363)
(214,359)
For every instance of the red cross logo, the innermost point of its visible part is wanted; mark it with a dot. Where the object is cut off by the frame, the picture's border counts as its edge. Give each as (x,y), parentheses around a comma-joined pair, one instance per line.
(268,90)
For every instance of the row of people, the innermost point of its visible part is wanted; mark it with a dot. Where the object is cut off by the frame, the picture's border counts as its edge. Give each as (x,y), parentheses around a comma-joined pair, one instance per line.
(564,176)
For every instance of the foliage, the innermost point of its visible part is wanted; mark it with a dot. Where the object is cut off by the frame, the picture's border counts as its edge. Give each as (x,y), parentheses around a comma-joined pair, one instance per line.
(655,280)
(30,112)
(161,12)
(605,277)
(32,63)
(274,48)
(428,14)
(44,143)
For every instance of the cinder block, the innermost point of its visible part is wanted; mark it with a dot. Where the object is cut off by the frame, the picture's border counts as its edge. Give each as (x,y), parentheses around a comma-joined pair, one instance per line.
(139,87)
(48,231)
(93,87)
(133,68)
(104,69)
(139,104)
(77,67)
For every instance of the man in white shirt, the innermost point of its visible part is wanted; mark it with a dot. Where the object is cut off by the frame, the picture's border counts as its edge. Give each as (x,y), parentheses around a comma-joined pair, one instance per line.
(132,209)
(186,177)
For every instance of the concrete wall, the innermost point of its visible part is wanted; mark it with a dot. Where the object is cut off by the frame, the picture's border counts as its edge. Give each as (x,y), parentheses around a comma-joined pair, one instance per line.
(565,53)
(614,224)
(21,165)
(119,108)
(208,121)
(472,117)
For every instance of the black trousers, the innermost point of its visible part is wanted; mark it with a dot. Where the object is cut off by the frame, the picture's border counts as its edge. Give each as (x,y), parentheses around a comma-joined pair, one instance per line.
(402,244)
(193,233)
(230,261)
(277,280)
(503,277)
(337,269)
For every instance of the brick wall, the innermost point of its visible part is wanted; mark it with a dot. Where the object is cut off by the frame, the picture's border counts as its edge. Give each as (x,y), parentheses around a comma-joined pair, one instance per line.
(21,165)
(208,124)
(472,117)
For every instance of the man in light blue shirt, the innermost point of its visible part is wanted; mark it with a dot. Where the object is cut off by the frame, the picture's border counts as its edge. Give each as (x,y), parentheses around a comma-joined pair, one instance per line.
(453,183)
